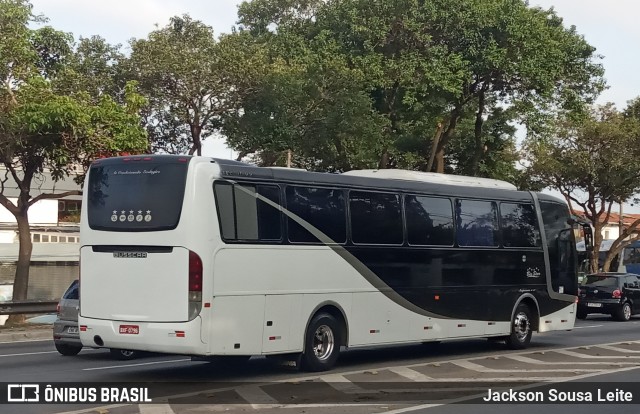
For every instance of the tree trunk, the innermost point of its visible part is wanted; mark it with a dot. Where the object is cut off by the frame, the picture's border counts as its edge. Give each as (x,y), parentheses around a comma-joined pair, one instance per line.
(434,146)
(21,281)
(446,136)
(479,147)
(196,147)
(384,160)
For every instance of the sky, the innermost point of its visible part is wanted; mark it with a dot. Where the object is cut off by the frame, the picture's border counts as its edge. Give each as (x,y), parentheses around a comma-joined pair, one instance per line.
(611,26)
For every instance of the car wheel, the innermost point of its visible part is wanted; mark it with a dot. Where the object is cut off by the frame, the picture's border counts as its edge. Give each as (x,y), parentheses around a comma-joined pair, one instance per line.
(322,343)
(623,313)
(123,354)
(581,314)
(520,328)
(68,350)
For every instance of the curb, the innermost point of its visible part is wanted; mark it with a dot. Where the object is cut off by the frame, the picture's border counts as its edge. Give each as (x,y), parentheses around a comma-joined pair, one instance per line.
(26,334)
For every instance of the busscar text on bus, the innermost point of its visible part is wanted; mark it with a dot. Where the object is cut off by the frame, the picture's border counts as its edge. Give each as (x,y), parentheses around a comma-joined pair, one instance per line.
(212,258)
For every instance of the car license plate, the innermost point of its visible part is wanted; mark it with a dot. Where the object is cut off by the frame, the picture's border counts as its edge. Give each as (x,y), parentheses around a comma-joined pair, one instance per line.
(129,329)
(72,329)
(594,305)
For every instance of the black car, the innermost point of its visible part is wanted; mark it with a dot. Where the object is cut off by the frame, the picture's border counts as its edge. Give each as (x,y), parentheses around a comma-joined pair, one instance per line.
(617,294)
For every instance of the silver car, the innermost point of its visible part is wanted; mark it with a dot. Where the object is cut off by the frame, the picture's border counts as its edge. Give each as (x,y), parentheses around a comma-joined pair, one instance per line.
(66,335)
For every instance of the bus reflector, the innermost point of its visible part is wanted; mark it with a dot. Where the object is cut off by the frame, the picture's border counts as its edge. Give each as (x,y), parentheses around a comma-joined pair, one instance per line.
(195,285)
(179,334)
(195,272)
(83,328)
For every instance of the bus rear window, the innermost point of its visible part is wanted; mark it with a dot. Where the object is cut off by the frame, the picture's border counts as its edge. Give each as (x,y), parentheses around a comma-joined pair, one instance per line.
(136,195)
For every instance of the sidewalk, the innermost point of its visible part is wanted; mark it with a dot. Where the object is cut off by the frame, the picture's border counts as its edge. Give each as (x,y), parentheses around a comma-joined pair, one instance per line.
(26,333)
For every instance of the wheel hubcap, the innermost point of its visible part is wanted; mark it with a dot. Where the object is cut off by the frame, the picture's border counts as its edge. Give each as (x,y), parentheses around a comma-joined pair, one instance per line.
(627,311)
(521,326)
(323,342)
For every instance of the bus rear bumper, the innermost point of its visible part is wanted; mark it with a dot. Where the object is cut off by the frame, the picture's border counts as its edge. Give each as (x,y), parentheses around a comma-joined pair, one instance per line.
(169,337)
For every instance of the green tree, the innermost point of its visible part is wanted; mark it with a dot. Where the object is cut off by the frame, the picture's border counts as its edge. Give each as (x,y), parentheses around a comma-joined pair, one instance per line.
(41,128)
(187,78)
(428,65)
(593,161)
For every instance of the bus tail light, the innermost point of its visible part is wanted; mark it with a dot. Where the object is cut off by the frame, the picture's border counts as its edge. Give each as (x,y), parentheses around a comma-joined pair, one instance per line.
(195,285)
(616,294)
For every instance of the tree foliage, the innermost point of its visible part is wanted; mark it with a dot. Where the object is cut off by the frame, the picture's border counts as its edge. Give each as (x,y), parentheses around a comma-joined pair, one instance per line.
(592,161)
(186,76)
(425,67)
(44,126)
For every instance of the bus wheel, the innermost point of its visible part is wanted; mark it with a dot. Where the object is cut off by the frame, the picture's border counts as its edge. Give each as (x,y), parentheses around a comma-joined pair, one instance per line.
(520,328)
(322,343)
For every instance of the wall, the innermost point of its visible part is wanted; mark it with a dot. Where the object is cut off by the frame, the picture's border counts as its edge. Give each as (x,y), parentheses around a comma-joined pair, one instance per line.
(42,212)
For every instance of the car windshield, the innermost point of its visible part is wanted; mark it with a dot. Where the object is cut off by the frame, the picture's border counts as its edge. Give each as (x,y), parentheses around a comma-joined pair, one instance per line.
(601,280)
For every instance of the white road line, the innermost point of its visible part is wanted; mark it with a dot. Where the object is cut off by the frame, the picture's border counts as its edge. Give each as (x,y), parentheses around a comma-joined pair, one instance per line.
(28,353)
(409,373)
(137,365)
(616,349)
(42,352)
(253,393)
(585,356)
(155,409)
(528,360)
(588,326)
(341,383)
(481,368)
(27,340)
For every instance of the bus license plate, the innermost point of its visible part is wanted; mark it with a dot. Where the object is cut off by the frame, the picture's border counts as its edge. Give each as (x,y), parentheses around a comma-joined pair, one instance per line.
(129,329)
(594,305)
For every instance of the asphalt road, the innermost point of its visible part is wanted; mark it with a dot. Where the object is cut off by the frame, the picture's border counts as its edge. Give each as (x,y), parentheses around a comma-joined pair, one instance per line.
(599,346)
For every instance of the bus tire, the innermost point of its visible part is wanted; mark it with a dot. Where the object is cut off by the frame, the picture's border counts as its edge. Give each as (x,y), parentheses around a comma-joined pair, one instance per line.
(68,350)
(521,331)
(322,343)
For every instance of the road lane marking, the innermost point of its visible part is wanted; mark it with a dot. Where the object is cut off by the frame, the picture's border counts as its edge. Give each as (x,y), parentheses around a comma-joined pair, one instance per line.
(137,365)
(481,368)
(528,360)
(617,349)
(29,353)
(27,340)
(155,409)
(586,356)
(251,393)
(340,383)
(42,352)
(411,374)
(588,326)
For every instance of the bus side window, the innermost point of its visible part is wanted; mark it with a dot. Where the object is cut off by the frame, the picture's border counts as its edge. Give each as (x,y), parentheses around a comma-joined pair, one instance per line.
(476,223)
(519,225)
(244,213)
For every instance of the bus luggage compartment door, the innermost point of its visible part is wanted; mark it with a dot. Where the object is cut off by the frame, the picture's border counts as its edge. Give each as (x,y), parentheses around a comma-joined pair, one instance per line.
(127,283)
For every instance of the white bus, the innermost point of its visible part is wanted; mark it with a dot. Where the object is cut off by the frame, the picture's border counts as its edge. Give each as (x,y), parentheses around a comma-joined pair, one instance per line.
(209,257)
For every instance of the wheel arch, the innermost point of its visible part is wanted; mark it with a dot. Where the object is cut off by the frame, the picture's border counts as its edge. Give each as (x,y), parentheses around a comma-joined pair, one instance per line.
(531,301)
(334,309)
